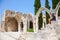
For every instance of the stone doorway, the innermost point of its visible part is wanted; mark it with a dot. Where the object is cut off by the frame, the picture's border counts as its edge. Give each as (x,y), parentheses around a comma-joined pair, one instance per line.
(21,26)
(11,24)
(30,29)
(31,24)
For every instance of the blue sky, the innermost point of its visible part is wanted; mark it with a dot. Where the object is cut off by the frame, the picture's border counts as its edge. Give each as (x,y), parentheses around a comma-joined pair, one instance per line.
(25,6)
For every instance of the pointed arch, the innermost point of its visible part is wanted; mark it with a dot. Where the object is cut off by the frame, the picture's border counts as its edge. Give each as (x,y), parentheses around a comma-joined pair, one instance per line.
(57,9)
(41,9)
(37,15)
(11,24)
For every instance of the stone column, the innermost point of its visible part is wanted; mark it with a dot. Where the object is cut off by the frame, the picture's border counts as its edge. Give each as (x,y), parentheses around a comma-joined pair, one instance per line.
(43,25)
(34,24)
(56,15)
(3,26)
(19,27)
(25,25)
(3,22)
(44,21)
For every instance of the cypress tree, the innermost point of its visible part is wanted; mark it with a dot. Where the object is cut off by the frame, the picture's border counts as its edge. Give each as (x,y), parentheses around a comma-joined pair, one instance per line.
(40,20)
(37,5)
(54,3)
(47,6)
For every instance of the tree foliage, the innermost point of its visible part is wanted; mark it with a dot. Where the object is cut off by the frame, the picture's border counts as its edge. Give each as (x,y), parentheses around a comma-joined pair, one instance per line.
(47,6)
(37,5)
(40,20)
(54,3)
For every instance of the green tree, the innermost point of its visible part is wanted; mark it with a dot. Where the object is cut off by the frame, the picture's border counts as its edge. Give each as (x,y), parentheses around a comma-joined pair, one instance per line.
(40,20)
(54,4)
(47,6)
(37,5)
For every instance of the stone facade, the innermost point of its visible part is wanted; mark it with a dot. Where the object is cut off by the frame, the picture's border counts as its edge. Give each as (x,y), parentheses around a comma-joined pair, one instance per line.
(14,20)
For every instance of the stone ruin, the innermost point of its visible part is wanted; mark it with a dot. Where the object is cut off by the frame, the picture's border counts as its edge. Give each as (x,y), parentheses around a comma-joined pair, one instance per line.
(15,21)
(19,22)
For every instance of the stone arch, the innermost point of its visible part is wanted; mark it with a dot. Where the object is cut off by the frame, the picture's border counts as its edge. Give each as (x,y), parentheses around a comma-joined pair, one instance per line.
(14,15)
(57,7)
(11,24)
(56,10)
(21,22)
(41,9)
(37,15)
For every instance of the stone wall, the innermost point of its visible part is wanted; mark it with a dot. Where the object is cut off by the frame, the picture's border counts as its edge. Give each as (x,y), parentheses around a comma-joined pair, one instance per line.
(12,20)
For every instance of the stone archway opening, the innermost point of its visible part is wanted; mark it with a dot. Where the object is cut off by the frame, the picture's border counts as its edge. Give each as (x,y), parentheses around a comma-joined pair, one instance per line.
(44,18)
(30,27)
(47,18)
(21,26)
(40,18)
(31,24)
(59,12)
(40,21)
(11,24)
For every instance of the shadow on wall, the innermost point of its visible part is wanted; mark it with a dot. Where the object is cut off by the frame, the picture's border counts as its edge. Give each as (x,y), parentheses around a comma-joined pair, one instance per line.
(11,24)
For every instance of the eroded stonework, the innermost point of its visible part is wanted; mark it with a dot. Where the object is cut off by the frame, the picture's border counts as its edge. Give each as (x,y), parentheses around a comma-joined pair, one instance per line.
(16,21)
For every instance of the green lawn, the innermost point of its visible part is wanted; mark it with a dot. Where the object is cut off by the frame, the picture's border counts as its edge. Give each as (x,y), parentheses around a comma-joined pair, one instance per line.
(30,30)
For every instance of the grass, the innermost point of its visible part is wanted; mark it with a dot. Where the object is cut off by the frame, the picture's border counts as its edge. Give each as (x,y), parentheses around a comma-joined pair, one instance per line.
(30,30)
